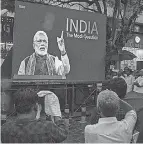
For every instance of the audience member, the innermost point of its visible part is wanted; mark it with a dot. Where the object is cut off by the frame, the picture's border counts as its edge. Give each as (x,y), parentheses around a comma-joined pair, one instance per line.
(51,105)
(138,84)
(114,73)
(109,129)
(129,78)
(119,86)
(26,128)
(120,74)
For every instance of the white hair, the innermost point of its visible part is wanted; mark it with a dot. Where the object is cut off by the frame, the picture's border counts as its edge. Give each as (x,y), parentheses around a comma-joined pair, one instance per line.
(108,103)
(38,33)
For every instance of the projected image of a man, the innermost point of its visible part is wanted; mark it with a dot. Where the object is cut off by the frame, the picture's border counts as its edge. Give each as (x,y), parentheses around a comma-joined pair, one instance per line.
(41,62)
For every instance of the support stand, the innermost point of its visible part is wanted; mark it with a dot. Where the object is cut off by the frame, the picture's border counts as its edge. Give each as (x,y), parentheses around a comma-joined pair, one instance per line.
(53,86)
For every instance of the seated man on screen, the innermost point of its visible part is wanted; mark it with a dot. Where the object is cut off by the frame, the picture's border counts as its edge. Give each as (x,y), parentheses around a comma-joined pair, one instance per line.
(41,62)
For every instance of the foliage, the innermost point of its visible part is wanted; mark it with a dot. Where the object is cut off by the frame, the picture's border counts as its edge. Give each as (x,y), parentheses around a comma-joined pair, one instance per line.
(8,4)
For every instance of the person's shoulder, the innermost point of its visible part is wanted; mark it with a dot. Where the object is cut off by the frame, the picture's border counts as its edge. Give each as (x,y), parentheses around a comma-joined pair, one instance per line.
(26,58)
(40,125)
(41,122)
(90,128)
(51,56)
(131,113)
(130,116)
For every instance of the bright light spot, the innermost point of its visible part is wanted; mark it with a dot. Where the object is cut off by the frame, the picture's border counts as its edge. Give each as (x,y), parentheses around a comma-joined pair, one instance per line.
(137,39)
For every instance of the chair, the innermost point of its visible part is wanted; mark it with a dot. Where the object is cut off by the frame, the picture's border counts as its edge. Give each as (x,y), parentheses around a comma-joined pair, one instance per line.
(135,102)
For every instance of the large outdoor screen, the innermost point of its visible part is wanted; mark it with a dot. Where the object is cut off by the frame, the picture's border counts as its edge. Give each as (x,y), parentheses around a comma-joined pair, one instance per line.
(54,41)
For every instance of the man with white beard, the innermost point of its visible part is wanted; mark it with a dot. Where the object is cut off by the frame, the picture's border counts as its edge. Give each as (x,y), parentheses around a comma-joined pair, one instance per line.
(41,62)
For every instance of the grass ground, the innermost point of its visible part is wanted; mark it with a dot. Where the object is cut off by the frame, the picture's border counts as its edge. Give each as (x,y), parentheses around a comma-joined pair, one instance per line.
(76,131)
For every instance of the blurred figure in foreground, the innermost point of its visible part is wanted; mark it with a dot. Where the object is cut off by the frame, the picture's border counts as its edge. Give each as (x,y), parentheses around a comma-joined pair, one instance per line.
(26,128)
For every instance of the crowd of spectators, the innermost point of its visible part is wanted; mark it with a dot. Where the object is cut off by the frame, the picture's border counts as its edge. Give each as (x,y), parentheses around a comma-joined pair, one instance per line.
(134,79)
(113,120)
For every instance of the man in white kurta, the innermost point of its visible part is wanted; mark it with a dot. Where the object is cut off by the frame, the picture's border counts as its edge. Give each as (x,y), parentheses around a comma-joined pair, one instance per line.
(41,62)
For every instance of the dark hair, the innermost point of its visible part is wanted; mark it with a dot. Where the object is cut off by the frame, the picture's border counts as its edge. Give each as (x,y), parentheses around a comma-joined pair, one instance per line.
(119,86)
(25,99)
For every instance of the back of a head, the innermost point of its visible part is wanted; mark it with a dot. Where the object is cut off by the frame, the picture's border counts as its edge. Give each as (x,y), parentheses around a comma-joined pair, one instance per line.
(141,72)
(126,68)
(108,103)
(119,86)
(25,99)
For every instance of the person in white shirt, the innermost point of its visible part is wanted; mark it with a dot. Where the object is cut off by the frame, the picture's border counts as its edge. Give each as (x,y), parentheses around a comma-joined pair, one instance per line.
(51,105)
(109,129)
(129,78)
(138,83)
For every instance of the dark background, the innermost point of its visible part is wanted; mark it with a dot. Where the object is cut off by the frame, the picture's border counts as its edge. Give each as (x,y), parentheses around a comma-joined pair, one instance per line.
(86,56)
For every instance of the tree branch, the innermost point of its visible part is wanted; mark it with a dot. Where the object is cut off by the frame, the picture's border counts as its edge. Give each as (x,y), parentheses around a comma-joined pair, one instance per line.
(114,19)
(135,14)
(72,1)
(105,7)
(84,7)
(98,6)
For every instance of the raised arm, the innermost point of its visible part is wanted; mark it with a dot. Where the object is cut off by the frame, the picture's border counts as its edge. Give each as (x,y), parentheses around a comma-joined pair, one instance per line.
(130,117)
(64,68)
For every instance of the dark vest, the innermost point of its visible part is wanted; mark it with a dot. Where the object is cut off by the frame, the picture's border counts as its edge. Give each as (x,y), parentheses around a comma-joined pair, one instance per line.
(41,67)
